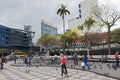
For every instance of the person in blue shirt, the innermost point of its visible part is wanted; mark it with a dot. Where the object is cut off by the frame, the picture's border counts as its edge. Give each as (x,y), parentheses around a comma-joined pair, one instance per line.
(26,62)
(85,60)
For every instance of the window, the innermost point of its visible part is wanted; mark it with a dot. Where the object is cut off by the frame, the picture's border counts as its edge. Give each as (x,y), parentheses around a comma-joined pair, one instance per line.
(79,6)
(79,10)
(80,15)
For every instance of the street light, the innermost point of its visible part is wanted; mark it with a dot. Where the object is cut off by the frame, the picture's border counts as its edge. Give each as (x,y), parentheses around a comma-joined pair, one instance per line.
(31,35)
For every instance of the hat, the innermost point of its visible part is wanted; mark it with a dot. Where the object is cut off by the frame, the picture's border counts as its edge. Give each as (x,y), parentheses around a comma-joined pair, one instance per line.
(61,54)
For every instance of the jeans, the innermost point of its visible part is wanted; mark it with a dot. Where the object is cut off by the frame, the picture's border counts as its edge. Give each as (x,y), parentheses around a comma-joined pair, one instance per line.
(86,64)
(63,69)
(117,62)
(1,65)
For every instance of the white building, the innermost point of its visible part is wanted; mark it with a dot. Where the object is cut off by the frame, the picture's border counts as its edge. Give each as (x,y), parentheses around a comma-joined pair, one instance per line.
(84,12)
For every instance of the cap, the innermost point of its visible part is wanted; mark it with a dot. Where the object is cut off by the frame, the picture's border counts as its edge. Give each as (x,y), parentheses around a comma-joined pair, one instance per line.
(61,54)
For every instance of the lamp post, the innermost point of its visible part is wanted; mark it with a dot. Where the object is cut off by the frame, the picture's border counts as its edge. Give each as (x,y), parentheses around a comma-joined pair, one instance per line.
(88,52)
(31,36)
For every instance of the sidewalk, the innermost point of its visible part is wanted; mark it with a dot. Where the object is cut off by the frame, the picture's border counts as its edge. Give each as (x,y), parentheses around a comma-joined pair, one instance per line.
(46,73)
(105,69)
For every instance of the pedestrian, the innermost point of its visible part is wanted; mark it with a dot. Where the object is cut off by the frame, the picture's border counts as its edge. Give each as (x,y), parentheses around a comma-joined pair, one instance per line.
(3,61)
(85,60)
(55,60)
(0,62)
(14,59)
(117,59)
(63,65)
(41,61)
(75,59)
(26,62)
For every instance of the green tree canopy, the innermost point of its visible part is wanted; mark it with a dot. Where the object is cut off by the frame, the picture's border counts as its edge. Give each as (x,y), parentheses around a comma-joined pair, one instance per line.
(115,35)
(2,51)
(86,28)
(47,40)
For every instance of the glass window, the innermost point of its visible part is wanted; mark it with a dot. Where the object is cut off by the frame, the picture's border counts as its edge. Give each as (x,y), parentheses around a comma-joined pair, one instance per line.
(79,6)
(80,15)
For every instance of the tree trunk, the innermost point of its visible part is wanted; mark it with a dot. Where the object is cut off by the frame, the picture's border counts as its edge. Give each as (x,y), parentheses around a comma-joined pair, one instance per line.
(63,25)
(109,40)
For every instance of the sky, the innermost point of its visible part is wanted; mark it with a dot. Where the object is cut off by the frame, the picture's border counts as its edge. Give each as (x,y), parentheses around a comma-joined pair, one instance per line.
(17,13)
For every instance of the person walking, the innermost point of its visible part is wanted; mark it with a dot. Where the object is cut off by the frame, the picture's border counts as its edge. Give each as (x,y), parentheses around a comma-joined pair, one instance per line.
(14,59)
(26,62)
(63,65)
(85,60)
(117,59)
(0,62)
(75,59)
(41,60)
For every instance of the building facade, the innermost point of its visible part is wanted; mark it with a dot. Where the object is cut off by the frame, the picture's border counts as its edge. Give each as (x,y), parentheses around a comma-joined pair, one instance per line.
(84,13)
(48,28)
(13,38)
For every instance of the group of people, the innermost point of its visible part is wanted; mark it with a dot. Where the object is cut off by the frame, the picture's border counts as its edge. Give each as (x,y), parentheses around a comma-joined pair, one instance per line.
(84,62)
(63,63)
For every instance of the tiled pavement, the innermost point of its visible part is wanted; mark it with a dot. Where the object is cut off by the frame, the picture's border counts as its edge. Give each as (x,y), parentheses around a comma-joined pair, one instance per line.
(46,73)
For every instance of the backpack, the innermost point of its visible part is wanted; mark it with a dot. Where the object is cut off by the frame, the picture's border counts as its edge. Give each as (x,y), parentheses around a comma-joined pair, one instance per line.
(26,60)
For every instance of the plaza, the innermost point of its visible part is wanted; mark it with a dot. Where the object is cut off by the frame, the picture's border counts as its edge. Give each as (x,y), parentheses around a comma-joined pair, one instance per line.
(46,73)
(39,39)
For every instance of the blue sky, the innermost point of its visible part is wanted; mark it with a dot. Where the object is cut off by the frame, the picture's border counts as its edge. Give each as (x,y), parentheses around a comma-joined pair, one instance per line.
(17,13)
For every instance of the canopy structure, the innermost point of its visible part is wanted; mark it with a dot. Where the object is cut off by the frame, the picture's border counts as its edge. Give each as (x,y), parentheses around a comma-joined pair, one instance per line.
(19,53)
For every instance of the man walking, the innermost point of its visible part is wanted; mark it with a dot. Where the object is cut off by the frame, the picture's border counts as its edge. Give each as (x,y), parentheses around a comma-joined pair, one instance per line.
(117,59)
(0,62)
(26,62)
(75,59)
(3,60)
(14,58)
(63,65)
(85,60)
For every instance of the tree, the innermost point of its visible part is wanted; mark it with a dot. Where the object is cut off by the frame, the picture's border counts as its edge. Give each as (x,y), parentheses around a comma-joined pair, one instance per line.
(72,36)
(68,39)
(108,17)
(46,41)
(3,51)
(62,11)
(86,28)
(115,35)
(62,41)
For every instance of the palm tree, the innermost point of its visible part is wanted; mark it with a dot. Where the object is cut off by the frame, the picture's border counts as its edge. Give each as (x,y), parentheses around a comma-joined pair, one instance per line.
(62,11)
(86,28)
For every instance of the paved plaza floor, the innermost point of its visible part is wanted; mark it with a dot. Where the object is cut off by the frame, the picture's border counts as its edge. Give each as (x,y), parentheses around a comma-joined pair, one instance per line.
(46,73)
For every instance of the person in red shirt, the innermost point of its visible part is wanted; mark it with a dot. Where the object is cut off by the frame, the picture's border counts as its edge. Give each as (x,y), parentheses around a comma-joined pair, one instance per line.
(63,65)
(117,59)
